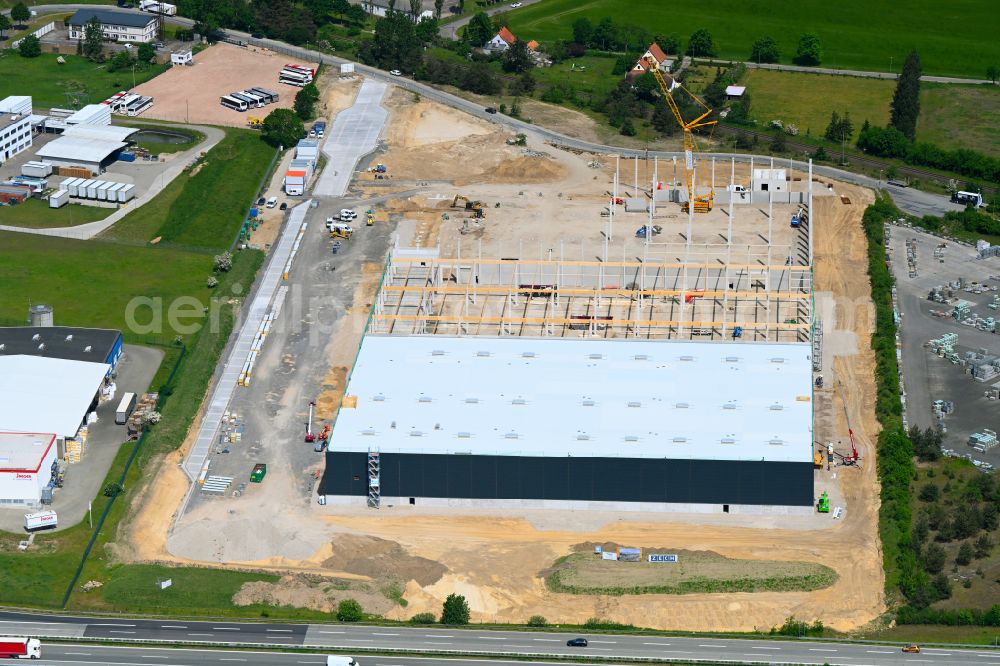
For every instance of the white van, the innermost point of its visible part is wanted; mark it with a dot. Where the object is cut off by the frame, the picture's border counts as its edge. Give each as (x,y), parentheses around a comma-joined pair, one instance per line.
(346,214)
(272,202)
(332,660)
(340,227)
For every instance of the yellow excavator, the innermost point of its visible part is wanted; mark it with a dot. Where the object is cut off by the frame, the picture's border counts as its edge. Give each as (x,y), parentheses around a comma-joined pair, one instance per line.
(474,207)
(703,203)
(255,123)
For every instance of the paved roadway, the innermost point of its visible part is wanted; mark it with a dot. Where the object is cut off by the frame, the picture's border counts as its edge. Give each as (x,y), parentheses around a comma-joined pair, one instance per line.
(341,639)
(353,134)
(450,30)
(909,200)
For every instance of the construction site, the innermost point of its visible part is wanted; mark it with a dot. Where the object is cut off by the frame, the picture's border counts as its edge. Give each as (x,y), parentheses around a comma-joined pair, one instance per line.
(677,365)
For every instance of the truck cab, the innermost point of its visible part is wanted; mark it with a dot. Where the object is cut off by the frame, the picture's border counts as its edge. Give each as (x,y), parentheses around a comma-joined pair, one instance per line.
(20,647)
(336,660)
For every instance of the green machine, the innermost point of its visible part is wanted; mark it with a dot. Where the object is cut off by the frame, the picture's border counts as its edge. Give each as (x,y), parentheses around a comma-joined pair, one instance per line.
(824,503)
(260,471)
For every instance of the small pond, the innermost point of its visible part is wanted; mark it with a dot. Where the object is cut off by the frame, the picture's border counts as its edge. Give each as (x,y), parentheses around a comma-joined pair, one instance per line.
(161,136)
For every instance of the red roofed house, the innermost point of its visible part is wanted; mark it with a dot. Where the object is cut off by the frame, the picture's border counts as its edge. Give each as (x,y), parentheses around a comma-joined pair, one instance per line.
(501,41)
(656,53)
(533,46)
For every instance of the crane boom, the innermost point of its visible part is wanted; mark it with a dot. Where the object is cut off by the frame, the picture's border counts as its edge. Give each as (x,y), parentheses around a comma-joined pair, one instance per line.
(701,204)
(854,457)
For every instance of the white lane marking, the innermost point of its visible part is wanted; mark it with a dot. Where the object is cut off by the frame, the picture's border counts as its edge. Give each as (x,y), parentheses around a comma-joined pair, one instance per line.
(199,634)
(378,634)
(668,644)
(79,654)
(283,630)
(914,660)
(52,623)
(705,645)
(821,650)
(547,640)
(99,624)
(361,640)
(938,654)
(429,643)
(173,626)
(309,662)
(490,638)
(677,651)
(152,656)
(227,629)
(764,648)
(608,642)
(333,632)
(439,636)
(881,652)
(230,659)
(116,631)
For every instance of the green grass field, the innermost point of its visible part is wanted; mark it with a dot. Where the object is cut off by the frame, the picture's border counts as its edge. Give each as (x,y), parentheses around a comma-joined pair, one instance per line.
(957,38)
(209,590)
(48,82)
(965,116)
(204,210)
(36,214)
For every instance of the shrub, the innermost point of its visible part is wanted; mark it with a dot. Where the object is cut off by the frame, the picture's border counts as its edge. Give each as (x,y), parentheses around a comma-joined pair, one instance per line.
(455,610)
(349,610)
(537,621)
(423,618)
(223,262)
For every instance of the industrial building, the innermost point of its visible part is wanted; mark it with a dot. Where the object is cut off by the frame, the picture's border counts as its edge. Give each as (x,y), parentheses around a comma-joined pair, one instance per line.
(26,464)
(15,126)
(570,423)
(117,26)
(92,147)
(94,345)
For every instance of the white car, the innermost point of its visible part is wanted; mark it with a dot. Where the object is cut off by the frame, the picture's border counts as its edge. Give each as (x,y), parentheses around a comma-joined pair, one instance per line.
(272,202)
(515,5)
(396,72)
(346,214)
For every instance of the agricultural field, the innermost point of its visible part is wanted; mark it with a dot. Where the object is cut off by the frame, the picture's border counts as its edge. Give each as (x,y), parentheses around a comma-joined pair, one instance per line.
(854,35)
(48,82)
(694,572)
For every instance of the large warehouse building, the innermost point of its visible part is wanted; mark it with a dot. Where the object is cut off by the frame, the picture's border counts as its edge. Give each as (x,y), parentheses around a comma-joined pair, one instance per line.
(26,461)
(570,423)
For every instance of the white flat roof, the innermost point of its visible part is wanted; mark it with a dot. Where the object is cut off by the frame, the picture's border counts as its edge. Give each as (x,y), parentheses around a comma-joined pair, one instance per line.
(39,394)
(588,398)
(24,451)
(76,148)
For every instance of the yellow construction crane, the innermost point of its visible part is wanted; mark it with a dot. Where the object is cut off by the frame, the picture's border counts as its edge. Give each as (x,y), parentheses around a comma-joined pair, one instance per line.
(702,204)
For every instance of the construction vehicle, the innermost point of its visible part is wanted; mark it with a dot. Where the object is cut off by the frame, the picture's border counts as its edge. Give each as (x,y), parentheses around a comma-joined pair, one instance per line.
(823,506)
(323,439)
(689,298)
(310,437)
(255,123)
(702,204)
(854,457)
(378,168)
(818,459)
(474,207)
(654,231)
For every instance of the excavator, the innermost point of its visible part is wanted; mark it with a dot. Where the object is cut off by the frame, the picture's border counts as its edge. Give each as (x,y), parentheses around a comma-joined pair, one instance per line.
(474,207)
(703,203)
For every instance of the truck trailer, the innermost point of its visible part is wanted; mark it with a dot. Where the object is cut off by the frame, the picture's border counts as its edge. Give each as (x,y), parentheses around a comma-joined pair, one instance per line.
(40,521)
(125,408)
(20,648)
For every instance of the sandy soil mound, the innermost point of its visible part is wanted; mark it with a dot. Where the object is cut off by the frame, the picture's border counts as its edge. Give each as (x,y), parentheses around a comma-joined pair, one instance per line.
(382,560)
(313,592)
(526,169)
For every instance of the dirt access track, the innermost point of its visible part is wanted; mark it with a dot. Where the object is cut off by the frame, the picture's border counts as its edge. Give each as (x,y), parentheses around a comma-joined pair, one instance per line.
(190,93)
(495,558)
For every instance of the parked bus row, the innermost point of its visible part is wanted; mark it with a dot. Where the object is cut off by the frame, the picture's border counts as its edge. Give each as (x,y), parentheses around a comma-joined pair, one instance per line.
(251,98)
(296,75)
(128,104)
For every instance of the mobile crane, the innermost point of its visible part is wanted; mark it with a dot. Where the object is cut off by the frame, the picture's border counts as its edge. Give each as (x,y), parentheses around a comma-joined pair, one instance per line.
(702,204)
(854,457)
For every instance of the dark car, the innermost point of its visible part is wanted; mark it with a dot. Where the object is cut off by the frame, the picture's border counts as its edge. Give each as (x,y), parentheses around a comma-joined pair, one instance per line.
(491,109)
(577,642)
(261,201)
(283,206)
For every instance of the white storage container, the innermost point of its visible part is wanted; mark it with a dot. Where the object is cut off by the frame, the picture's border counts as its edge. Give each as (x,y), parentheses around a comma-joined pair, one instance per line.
(102,191)
(36,169)
(92,188)
(59,198)
(127,193)
(81,188)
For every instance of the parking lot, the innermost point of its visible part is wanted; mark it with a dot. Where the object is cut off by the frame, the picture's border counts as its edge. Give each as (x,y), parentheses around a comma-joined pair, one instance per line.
(928,377)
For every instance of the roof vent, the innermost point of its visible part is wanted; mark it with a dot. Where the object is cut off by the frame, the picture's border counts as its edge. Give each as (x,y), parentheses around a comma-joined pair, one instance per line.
(379,398)
(87,348)
(777,359)
(583,437)
(416,433)
(69,338)
(465,435)
(472,401)
(588,402)
(728,440)
(519,401)
(437,352)
(595,357)
(634,403)
(527,354)
(777,442)
(686,358)
(641,357)
(631,438)
(368,433)
(36,337)
(776,407)
(732,359)
(510,435)
(682,405)
(424,398)
(483,354)
(729,405)
(680,440)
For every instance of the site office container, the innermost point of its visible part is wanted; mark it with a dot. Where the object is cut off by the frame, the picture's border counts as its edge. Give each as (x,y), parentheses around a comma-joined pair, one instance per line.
(39,521)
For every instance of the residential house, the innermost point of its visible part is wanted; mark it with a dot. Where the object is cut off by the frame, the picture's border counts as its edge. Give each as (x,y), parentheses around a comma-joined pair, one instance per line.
(502,41)
(641,66)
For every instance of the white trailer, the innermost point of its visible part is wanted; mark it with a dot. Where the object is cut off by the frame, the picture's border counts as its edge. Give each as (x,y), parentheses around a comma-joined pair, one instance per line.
(40,520)
(59,198)
(125,408)
(126,193)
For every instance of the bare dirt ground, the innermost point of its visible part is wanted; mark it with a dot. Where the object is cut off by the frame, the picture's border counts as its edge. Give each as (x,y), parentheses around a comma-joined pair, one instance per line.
(495,558)
(586,571)
(190,94)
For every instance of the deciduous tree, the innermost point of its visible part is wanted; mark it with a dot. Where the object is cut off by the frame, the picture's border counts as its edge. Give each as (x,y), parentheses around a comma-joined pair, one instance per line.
(20,13)
(30,47)
(583,30)
(5,24)
(810,51)
(701,44)
(764,49)
(480,29)
(517,58)
(282,127)
(93,40)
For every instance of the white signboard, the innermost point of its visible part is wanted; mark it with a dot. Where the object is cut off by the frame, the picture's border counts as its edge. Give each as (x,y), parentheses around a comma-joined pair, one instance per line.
(662,558)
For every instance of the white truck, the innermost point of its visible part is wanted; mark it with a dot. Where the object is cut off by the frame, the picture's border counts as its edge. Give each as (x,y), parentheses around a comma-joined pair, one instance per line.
(337,660)
(17,647)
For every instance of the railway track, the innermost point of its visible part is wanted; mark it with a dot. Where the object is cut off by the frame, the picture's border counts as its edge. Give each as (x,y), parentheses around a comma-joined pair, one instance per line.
(852,159)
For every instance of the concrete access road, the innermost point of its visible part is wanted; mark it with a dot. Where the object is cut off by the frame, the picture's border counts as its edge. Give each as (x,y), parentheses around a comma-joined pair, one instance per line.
(909,200)
(349,639)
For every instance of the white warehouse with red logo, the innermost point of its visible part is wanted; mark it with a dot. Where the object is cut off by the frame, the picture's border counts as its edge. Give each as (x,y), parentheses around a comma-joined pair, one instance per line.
(26,461)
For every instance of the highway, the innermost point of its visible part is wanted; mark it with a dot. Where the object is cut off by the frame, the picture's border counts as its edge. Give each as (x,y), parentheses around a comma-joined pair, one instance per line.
(909,200)
(349,639)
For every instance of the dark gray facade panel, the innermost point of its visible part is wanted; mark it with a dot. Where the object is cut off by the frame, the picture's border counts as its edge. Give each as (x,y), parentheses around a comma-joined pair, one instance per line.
(574,479)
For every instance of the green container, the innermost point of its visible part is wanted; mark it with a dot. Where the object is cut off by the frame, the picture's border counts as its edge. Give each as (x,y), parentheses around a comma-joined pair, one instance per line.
(258,473)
